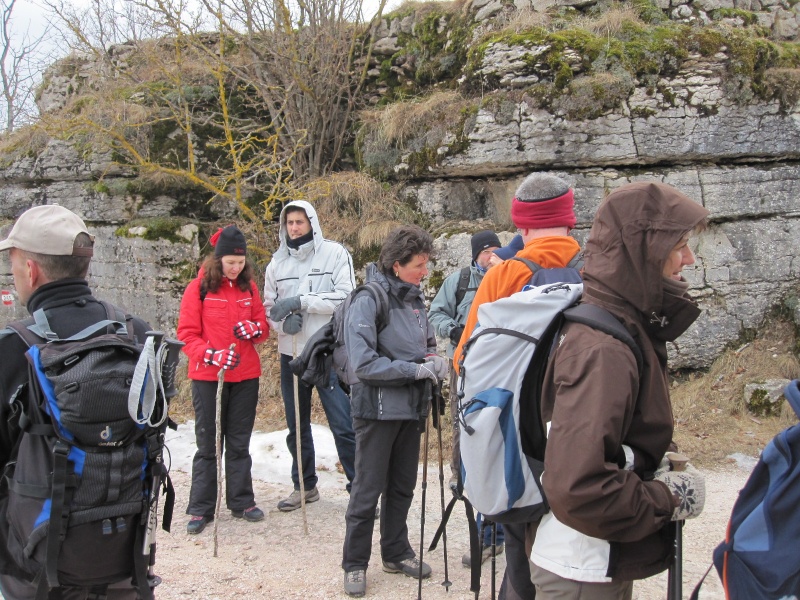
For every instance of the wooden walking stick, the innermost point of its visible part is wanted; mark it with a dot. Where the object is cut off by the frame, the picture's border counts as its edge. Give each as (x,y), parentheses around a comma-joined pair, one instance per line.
(218,427)
(297,439)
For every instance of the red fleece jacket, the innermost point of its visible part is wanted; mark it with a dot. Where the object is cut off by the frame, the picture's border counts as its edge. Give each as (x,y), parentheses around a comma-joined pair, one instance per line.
(209,323)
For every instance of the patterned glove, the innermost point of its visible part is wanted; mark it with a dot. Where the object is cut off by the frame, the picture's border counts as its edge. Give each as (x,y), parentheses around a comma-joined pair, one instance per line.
(227,359)
(282,308)
(426,370)
(245,330)
(689,487)
(455,334)
(293,324)
(441,365)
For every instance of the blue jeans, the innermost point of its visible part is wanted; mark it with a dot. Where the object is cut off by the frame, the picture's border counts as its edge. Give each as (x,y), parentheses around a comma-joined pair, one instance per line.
(337,409)
(487,532)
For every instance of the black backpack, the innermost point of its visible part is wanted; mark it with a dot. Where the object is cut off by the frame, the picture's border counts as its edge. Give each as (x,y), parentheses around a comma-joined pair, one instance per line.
(341,362)
(87,469)
(326,349)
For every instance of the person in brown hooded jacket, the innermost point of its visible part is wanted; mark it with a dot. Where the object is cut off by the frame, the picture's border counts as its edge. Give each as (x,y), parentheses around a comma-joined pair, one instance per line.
(610,425)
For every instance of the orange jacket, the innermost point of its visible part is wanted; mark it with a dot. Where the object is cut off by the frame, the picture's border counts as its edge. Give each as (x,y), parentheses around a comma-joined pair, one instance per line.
(511,276)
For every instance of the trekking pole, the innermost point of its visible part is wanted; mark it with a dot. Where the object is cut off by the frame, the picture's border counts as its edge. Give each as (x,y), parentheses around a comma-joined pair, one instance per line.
(422,512)
(297,437)
(675,575)
(437,394)
(494,558)
(218,426)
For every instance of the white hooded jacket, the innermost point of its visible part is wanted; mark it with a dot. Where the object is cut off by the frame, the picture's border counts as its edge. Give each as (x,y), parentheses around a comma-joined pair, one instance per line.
(320,272)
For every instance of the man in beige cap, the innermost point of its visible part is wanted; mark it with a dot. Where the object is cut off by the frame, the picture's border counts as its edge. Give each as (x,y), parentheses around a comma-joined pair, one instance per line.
(49,249)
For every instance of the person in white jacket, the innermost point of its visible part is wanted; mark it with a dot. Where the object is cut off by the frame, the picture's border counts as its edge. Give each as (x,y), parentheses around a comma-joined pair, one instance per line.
(304,282)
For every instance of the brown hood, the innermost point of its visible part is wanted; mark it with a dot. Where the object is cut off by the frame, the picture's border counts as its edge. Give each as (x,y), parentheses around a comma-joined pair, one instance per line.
(633,233)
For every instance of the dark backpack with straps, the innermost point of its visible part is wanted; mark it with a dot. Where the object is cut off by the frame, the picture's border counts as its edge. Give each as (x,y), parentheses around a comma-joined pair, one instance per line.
(86,473)
(341,361)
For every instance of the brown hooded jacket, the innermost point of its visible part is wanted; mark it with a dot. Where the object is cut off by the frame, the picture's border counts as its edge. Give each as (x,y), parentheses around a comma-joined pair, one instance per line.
(594,397)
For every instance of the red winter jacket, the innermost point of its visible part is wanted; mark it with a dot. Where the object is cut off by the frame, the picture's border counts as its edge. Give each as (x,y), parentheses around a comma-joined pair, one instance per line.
(209,323)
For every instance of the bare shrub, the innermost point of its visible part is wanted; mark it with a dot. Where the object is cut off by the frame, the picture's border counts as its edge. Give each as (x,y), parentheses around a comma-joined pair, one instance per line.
(611,21)
(355,209)
(783,84)
(527,19)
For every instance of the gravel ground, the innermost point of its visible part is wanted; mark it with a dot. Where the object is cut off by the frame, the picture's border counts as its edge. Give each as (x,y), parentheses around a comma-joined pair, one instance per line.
(276,559)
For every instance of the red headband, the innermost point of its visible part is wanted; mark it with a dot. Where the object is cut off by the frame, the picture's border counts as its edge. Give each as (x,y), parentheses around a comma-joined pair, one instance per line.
(543,214)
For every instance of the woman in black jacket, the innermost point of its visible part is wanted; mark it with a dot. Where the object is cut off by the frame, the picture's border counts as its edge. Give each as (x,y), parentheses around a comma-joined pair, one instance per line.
(394,357)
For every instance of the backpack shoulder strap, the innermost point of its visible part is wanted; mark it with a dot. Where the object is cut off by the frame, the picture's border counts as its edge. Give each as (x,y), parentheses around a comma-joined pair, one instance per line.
(576,262)
(381,298)
(534,267)
(463,284)
(602,320)
(22,329)
(114,322)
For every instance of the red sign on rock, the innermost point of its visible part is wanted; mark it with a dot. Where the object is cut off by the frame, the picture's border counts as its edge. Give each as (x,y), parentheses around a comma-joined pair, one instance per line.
(8,299)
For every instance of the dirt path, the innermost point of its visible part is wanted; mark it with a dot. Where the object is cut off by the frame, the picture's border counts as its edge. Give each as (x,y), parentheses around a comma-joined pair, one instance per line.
(274,559)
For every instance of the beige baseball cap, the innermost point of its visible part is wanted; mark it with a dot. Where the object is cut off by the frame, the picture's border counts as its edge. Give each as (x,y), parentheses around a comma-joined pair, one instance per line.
(49,229)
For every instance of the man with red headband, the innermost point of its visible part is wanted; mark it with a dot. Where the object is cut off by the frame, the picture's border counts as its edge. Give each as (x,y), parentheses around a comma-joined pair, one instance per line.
(542,211)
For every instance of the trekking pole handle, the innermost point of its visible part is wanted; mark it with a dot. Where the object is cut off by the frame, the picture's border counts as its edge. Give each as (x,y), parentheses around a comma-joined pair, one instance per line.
(677,461)
(157,337)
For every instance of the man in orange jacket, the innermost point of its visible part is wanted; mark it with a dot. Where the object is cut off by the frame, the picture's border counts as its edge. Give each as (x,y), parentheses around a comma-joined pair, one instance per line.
(543,212)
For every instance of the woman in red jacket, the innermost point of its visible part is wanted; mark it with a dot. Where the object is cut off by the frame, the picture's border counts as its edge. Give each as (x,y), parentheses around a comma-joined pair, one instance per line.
(221,320)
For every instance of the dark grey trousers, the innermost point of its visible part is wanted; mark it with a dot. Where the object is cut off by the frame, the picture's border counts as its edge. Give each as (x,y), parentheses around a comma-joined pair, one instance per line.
(517,583)
(387,459)
(239,402)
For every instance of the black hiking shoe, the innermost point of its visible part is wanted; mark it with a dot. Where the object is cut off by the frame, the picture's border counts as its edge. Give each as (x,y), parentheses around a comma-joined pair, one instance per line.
(355,583)
(251,514)
(197,524)
(409,566)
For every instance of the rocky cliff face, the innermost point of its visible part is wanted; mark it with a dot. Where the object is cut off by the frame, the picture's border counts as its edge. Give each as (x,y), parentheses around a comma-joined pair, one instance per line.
(700,94)
(692,119)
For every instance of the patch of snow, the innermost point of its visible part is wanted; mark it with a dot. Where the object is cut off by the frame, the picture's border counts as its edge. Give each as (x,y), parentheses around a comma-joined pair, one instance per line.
(272,462)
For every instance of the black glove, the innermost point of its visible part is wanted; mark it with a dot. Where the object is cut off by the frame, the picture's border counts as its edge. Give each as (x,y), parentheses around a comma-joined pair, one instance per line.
(282,308)
(293,324)
(455,334)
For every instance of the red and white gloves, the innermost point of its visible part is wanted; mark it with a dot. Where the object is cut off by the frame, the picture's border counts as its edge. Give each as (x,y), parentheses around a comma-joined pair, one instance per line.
(245,330)
(227,359)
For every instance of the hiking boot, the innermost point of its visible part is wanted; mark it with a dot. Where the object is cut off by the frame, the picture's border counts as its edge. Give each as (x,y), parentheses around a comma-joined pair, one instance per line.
(197,524)
(293,501)
(355,583)
(486,553)
(251,514)
(409,566)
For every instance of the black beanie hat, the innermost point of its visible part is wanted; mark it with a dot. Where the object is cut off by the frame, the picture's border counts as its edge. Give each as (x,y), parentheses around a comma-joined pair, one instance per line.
(229,241)
(483,240)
